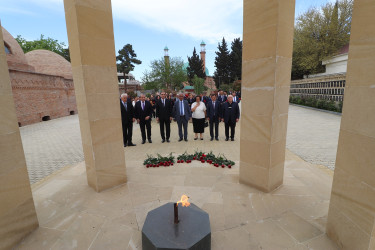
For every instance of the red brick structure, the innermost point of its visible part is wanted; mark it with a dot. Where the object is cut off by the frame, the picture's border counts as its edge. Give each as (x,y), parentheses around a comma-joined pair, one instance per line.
(42,83)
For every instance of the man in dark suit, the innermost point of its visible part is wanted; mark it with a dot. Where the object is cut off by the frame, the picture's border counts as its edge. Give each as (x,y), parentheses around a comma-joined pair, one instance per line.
(221,97)
(235,98)
(164,116)
(127,119)
(213,115)
(190,100)
(182,114)
(143,112)
(230,116)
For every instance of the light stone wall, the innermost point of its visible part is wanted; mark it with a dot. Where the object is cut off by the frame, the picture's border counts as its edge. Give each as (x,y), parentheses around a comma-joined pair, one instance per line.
(326,87)
(91,42)
(351,217)
(17,212)
(266,65)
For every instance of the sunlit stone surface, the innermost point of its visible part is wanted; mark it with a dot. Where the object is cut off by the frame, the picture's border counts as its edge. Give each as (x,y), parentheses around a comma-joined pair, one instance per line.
(91,43)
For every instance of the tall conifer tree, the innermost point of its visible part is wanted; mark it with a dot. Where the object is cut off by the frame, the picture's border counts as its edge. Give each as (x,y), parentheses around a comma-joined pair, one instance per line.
(222,64)
(236,60)
(195,67)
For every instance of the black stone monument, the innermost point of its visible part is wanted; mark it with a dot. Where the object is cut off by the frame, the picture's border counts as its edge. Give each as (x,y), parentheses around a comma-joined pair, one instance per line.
(193,230)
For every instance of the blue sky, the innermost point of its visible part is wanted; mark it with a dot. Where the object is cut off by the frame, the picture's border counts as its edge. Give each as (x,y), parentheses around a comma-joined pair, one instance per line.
(148,25)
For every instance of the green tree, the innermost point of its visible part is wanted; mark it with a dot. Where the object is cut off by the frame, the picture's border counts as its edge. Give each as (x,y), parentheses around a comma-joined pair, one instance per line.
(165,75)
(236,60)
(127,59)
(222,64)
(195,67)
(66,54)
(198,84)
(43,43)
(318,34)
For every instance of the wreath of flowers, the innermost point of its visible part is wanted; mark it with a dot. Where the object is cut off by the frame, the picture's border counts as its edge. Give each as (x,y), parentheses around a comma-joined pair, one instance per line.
(210,158)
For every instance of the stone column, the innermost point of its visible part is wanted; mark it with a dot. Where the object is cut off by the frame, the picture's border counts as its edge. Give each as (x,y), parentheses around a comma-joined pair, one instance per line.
(266,72)
(351,216)
(17,212)
(92,49)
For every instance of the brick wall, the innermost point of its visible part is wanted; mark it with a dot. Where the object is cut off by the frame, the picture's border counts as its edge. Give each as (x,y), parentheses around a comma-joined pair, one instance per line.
(39,95)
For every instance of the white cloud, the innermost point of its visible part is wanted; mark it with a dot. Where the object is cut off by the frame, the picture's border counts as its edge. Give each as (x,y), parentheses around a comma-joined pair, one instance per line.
(209,20)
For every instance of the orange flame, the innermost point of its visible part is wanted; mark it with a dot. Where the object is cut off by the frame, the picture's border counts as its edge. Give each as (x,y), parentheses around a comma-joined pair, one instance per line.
(184,201)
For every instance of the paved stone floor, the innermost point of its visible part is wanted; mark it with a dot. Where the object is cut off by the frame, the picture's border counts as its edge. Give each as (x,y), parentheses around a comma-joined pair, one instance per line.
(54,144)
(74,216)
(313,135)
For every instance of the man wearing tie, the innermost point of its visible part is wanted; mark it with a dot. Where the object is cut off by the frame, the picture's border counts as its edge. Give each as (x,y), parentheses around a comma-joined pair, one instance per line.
(182,114)
(143,112)
(127,119)
(235,98)
(213,115)
(164,116)
(230,115)
(222,98)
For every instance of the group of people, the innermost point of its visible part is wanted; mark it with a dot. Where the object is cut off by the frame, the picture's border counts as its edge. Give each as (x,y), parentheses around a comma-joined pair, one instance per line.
(203,110)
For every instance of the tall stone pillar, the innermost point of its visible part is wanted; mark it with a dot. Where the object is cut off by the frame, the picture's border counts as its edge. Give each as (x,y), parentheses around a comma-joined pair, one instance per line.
(17,212)
(266,69)
(351,216)
(92,49)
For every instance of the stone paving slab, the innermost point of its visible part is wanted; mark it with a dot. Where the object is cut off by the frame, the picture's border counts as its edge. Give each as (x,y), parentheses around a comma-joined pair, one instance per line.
(313,135)
(73,216)
(52,145)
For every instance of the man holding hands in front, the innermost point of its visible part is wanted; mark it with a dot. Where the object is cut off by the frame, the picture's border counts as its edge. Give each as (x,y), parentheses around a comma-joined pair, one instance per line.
(143,112)
(213,115)
(164,116)
(230,116)
(182,114)
(127,119)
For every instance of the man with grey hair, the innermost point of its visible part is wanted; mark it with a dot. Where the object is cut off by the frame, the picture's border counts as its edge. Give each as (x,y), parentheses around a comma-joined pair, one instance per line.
(230,116)
(143,112)
(127,119)
(182,114)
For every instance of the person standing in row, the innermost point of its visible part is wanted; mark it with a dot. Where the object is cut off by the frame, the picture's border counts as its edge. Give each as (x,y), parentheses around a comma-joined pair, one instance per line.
(190,99)
(235,98)
(213,115)
(221,98)
(199,116)
(127,119)
(143,112)
(230,116)
(182,113)
(164,116)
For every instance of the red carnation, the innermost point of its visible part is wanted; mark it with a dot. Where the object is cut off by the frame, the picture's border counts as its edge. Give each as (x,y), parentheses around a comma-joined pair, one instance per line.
(229,166)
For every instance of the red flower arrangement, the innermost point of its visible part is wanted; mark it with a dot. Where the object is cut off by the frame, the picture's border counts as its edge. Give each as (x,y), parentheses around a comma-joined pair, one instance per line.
(210,158)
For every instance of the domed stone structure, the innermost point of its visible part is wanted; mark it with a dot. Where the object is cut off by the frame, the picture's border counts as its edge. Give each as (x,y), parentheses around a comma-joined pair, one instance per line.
(49,63)
(15,57)
(42,83)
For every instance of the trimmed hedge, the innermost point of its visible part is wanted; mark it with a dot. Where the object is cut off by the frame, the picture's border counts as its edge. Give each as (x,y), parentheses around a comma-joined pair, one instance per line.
(316,103)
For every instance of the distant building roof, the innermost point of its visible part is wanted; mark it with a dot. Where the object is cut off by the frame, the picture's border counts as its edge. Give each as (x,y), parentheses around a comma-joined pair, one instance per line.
(188,87)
